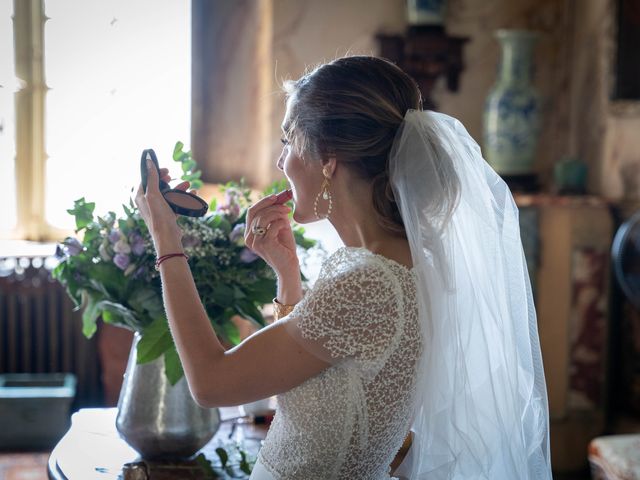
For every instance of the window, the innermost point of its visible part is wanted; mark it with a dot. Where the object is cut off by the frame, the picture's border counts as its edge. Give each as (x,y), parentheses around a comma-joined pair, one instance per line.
(119,78)
(8,87)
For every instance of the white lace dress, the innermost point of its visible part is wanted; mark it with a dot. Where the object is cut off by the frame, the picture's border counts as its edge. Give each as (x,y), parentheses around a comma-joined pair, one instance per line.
(349,421)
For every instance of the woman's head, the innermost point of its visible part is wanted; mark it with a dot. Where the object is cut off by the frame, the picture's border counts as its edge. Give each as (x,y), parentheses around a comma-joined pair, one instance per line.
(346,111)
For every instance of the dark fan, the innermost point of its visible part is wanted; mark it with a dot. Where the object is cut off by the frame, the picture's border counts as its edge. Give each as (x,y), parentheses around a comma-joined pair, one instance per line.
(626,258)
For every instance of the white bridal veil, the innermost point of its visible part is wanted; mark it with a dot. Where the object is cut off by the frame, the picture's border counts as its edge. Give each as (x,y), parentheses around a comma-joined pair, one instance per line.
(481,407)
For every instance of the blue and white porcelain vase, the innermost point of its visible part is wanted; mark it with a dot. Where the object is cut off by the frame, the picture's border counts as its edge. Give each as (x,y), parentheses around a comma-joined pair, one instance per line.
(426,12)
(512,109)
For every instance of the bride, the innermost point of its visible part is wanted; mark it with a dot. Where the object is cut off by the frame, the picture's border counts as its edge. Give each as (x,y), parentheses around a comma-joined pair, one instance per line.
(422,327)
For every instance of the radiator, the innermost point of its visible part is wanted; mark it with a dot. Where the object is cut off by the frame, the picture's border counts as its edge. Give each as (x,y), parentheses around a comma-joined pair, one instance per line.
(39,331)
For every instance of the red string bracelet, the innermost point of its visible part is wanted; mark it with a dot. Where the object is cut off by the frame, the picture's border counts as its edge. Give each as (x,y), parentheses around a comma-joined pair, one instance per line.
(168,256)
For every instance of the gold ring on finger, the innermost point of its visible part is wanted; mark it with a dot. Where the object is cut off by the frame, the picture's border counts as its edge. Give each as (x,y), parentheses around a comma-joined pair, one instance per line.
(260,231)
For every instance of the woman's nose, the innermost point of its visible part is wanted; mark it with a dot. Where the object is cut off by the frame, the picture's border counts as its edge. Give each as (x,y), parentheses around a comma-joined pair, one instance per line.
(280,163)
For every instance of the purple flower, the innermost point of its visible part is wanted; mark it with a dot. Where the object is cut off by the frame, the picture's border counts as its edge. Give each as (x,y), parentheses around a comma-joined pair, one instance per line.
(71,247)
(237,235)
(114,236)
(121,260)
(247,256)
(122,246)
(138,273)
(137,244)
(231,196)
(234,211)
(190,241)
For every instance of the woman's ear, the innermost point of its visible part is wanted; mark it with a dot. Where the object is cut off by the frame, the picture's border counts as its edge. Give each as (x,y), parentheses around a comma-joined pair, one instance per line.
(329,166)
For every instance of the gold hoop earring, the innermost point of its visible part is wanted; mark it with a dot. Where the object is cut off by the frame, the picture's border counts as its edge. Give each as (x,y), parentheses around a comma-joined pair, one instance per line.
(326,195)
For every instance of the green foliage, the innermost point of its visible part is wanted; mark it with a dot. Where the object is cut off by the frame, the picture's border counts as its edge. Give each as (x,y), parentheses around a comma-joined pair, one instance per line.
(110,272)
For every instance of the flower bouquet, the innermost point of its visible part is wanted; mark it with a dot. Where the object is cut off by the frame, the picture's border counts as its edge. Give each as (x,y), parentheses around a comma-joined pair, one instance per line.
(111,274)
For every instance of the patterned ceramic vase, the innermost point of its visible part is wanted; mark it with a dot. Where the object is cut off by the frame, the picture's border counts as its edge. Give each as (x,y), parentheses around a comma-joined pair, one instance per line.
(512,109)
(157,419)
(426,12)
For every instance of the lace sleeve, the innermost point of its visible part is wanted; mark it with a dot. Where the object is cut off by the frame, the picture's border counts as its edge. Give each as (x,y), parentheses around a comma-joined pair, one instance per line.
(354,314)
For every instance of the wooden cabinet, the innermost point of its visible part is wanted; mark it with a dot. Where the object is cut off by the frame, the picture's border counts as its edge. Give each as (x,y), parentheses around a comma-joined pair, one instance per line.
(567,241)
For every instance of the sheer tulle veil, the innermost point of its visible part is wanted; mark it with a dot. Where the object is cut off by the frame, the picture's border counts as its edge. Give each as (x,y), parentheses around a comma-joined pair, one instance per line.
(480,409)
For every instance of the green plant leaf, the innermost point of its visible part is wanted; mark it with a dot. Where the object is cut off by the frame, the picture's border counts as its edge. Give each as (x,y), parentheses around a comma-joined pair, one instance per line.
(156,339)
(172,365)
(83,212)
(306,243)
(118,312)
(89,315)
(223,295)
(248,310)
(147,300)
(231,332)
(177,150)
(223,455)
(244,464)
(262,290)
(206,466)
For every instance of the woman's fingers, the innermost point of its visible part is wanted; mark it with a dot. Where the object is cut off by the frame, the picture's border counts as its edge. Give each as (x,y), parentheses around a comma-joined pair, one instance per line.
(183,186)
(260,205)
(268,221)
(275,227)
(263,220)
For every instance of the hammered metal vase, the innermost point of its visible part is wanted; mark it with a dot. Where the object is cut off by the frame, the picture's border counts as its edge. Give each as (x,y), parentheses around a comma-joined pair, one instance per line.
(157,419)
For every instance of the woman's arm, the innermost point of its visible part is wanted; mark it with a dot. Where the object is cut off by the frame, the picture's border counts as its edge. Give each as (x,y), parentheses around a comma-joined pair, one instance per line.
(267,363)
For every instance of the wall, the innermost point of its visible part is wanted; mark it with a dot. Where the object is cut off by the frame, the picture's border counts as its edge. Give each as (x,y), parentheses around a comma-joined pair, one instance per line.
(257,44)
(309,32)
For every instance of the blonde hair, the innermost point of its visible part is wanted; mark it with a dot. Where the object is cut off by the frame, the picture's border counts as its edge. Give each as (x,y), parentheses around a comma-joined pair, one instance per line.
(351,108)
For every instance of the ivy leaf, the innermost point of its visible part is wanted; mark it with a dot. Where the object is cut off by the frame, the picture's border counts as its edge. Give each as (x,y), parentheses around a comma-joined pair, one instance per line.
(223,455)
(177,151)
(244,464)
(206,466)
(83,212)
(306,243)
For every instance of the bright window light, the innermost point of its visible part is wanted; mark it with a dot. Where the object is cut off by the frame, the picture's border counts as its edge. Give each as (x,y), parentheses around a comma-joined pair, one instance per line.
(120,79)
(8,87)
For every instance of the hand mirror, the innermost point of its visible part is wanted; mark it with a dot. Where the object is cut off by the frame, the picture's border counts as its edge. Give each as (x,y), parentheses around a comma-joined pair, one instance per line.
(181,202)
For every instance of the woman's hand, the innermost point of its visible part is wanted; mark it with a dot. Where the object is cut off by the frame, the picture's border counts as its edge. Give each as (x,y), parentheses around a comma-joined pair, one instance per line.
(157,213)
(277,246)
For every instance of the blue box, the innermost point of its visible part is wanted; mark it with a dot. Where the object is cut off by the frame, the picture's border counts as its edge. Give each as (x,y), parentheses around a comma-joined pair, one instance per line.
(34,409)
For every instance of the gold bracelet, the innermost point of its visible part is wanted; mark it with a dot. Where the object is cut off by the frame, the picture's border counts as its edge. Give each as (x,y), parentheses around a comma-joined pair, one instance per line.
(280,310)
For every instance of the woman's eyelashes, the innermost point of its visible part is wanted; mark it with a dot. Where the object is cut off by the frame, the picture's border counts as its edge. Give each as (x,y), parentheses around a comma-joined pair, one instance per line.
(284,141)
